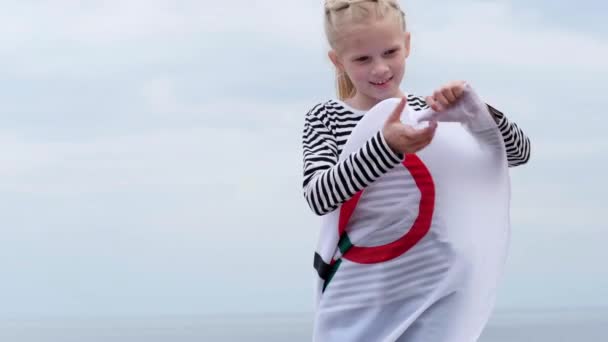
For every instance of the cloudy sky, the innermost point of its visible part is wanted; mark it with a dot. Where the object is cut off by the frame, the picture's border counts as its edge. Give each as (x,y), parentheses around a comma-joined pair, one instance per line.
(151,158)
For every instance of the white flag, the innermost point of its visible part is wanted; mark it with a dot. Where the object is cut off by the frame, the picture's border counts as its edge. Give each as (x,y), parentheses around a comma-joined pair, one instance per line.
(418,254)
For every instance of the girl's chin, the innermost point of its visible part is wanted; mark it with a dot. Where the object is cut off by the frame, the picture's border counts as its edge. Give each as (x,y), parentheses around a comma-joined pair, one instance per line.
(387,93)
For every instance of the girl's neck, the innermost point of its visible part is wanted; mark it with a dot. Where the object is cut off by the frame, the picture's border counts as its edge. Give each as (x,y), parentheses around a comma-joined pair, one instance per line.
(364,103)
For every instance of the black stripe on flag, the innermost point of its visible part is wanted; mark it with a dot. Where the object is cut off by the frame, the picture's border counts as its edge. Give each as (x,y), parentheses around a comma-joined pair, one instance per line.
(323,269)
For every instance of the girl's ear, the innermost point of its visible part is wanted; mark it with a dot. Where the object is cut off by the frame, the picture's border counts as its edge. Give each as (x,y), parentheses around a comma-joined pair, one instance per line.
(333,56)
(407,44)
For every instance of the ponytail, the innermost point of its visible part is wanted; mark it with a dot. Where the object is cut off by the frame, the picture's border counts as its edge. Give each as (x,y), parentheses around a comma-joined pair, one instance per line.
(346,88)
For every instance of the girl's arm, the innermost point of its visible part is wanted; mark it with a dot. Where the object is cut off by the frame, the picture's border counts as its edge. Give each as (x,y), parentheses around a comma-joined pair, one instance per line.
(517,142)
(329,182)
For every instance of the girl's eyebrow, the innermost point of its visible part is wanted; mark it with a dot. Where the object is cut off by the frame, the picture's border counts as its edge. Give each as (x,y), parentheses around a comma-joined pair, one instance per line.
(359,57)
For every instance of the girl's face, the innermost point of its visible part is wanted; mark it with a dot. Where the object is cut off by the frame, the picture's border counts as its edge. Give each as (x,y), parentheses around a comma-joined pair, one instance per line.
(373,56)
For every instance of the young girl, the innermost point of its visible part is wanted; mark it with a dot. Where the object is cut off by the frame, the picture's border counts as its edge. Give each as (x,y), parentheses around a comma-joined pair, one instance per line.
(388,300)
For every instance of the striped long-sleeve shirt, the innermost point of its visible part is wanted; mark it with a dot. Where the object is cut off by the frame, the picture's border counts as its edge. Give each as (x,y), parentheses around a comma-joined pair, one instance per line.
(329,182)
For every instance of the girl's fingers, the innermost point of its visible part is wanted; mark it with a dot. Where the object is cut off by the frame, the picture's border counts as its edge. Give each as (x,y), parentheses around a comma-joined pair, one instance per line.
(430,101)
(429,134)
(429,131)
(417,136)
(397,112)
(449,94)
(446,95)
(459,89)
(420,146)
(439,97)
(408,132)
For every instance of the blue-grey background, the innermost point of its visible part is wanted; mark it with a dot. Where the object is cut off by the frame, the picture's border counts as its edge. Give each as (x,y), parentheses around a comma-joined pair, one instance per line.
(151,162)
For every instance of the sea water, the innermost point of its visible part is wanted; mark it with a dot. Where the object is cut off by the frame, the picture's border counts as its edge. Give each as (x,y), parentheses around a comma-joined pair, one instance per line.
(534,326)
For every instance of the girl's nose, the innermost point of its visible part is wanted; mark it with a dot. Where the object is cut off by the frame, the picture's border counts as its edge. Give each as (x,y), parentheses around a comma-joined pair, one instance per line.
(380,69)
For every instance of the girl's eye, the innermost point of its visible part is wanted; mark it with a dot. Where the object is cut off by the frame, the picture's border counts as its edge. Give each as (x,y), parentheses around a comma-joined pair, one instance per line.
(390,52)
(361,59)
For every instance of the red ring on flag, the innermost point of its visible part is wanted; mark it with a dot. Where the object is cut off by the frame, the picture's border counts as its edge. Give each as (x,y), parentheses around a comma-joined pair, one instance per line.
(420,227)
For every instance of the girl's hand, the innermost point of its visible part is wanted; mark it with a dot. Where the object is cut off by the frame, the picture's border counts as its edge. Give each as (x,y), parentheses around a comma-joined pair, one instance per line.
(445,96)
(403,138)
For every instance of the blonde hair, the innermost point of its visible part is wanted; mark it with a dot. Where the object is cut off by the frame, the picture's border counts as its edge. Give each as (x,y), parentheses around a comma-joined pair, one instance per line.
(339,13)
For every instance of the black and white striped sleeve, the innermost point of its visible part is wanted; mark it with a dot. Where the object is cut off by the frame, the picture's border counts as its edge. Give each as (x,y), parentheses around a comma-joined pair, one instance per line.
(329,182)
(517,142)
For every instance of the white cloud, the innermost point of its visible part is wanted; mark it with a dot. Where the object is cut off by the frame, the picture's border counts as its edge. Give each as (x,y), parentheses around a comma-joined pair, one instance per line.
(496,33)
(573,150)
(104,23)
(247,148)
(160,95)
